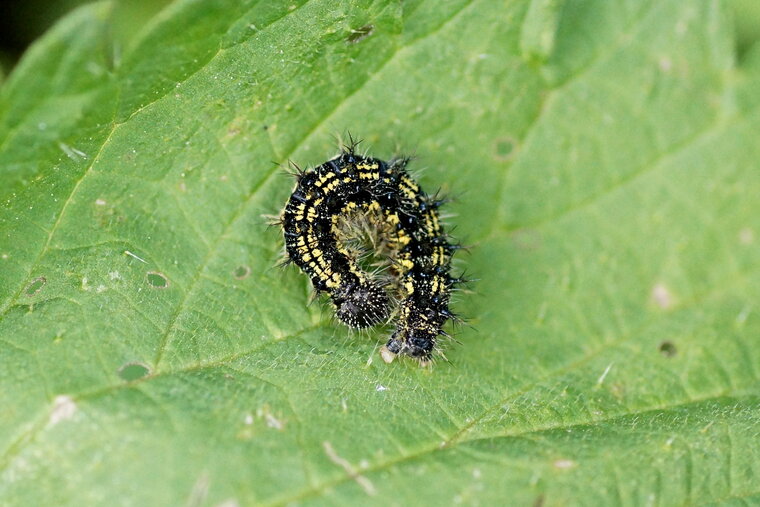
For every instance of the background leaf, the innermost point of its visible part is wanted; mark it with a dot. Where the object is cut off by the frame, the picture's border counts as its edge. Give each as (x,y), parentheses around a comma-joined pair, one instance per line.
(608,177)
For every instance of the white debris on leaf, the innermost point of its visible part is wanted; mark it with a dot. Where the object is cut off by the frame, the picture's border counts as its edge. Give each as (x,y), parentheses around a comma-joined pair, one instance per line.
(63,408)
(662,296)
(273,422)
(387,355)
(72,153)
(564,464)
(363,482)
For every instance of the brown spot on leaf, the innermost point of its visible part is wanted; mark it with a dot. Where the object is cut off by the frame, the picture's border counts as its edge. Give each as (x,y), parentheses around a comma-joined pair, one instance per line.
(241,272)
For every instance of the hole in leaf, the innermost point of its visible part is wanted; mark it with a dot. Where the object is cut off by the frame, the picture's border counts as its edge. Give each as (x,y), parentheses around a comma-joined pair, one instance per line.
(360,34)
(505,148)
(241,272)
(133,371)
(157,280)
(668,349)
(35,286)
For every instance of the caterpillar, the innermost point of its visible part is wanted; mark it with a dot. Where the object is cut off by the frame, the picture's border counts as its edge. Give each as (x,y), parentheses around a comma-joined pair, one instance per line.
(408,236)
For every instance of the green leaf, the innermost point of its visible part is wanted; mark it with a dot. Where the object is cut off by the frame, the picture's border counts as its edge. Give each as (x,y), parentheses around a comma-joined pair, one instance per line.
(153,355)
(747,16)
(539,29)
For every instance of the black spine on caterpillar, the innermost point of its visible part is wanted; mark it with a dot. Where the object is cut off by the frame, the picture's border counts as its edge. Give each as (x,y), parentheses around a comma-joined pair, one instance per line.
(412,237)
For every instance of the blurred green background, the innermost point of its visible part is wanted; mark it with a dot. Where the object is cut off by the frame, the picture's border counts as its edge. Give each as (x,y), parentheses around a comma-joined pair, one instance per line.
(747,23)
(22,21)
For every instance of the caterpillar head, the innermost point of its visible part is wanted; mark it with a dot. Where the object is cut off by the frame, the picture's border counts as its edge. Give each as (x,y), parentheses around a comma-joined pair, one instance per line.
(361,305)
(417,342)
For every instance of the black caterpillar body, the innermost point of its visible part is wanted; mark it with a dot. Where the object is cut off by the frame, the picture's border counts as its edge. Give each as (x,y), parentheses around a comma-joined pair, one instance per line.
(352,187)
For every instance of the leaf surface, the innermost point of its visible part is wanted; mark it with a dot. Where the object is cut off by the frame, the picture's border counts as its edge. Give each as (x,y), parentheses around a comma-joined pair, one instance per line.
(607,175)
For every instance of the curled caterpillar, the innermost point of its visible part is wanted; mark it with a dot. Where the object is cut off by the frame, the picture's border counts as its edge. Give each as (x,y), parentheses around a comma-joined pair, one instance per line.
(351,189)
